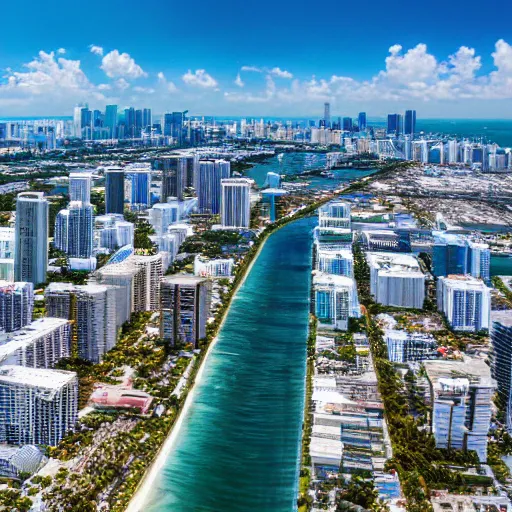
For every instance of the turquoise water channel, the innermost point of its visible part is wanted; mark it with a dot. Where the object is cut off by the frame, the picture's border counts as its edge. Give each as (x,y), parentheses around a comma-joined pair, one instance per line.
(239,446)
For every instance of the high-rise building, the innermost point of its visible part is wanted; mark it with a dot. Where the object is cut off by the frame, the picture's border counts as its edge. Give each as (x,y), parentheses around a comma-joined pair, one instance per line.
(479,260)
(335,300)
(335,214)
(149,288)
(16,305)
(138,123)
(80,186)
(347,124)
(111,120)
(327,115)
(86,123)
(335,261)
(501,359)
(410,123)
(461,398)
(114,190)
(31,237)
(210,174)
(396,279)
(92,308)
(465,301)
(395,124)
(184,309)
(146,119)
(236,202)
(140,182)
(40,344)
(449,255)
(74,230)
(129,123)
(126,279)
(77,121)
(37,406)
(361,121)
(174,176)
(162,215)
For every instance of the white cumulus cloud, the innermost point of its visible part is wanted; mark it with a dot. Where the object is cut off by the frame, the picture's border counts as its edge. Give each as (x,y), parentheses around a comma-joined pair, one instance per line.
(199,78)
(281,73)
(97,50)
(116,64)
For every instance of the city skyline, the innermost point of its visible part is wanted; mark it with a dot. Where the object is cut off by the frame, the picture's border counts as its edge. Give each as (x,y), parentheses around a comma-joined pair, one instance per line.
(250,68)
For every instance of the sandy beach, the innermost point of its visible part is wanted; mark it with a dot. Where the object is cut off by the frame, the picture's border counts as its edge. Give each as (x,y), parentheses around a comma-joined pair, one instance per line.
(139,500)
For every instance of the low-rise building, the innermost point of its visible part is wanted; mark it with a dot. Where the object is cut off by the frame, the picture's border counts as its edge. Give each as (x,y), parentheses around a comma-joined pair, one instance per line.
(404,346)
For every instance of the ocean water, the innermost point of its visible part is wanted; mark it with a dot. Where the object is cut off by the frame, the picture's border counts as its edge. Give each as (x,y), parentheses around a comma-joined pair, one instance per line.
(239,447)
(498,131)
(501,266)
(294,163)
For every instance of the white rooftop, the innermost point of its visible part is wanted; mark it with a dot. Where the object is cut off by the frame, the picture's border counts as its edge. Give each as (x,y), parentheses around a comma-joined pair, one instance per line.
(35,377)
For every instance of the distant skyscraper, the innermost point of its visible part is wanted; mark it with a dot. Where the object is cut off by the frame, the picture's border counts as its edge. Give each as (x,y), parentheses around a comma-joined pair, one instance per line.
(31,238)
(114,190)
(395,124)
(86,123)
(210,174)
(410,122)
(449,255)
(138,123)
(184,309)
(80,187)
(347,124)
(129,123)
(146,119)
(236,202)
(77,121)
(361,121)
(111,120)
(327,115)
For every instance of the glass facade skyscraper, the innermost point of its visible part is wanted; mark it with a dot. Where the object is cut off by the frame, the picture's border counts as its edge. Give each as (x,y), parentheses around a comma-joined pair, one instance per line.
(210,174)
(236,202)
(361,121)
(114,190)
(31,238)
(410,122)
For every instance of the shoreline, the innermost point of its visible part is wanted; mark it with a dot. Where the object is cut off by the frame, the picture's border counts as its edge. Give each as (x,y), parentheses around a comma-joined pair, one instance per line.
(139,500)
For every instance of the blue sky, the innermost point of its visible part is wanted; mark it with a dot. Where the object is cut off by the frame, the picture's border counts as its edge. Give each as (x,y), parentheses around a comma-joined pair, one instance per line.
(282,58)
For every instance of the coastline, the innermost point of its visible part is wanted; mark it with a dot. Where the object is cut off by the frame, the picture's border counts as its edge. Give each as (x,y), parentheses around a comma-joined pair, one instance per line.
(139,500)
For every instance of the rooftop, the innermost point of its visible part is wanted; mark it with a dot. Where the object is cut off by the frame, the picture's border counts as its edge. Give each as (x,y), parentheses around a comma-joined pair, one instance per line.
(36,377)
(473,369)
(503,317)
